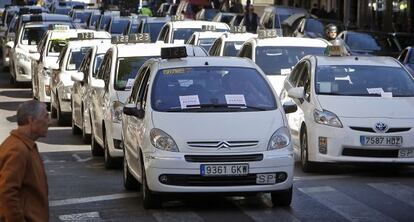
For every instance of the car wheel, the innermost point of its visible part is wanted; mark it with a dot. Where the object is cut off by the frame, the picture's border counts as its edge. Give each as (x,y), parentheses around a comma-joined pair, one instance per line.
(282,198)
(95,147)
(62,119)
(85,136)
(307,166)
(130,183)
(12,81)
(150,200)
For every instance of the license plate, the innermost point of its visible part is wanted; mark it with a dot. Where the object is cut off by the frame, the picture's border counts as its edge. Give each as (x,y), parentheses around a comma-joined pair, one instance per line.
(265,178)
(406,153)
(381,140)
(224,169)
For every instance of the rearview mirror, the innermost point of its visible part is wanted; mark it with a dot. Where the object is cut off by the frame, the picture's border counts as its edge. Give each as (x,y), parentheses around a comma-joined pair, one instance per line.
(296,93)
(77,76)
(133,110)
(97,84)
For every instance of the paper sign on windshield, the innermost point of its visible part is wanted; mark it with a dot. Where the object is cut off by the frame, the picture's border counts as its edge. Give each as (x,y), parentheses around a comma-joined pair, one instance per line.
(378,91)
(129,84)
(191,100)
(285,71)
(236,99)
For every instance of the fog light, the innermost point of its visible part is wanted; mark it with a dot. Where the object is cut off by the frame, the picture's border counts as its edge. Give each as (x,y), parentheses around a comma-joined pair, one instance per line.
(118,144)
(280,177)
(21,71)
(47,90)
(323,145)
(163,179)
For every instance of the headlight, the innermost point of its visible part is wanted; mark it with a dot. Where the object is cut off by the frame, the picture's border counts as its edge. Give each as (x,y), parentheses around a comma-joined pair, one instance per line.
(280,139)
(23,57)
(327,118)
(163,141)
(116,111)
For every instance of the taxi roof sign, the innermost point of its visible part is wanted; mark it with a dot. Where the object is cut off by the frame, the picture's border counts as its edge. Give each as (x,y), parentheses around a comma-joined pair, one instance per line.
(58,27)
(266,33)
(208,28)
(335,50)
(238,29)
(174,52)
(177,18)
(132,38)
(85,35)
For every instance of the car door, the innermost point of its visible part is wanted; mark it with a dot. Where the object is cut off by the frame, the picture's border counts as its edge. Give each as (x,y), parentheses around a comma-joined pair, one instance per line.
(78,90)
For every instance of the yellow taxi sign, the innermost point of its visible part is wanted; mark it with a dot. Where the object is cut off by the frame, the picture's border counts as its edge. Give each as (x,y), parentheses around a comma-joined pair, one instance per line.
(266,33)
(208,28)
(177,18)
(238,29)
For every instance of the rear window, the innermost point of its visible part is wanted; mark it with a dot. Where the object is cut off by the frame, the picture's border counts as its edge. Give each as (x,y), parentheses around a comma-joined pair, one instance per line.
(127,70)
(232,48)
(371,42)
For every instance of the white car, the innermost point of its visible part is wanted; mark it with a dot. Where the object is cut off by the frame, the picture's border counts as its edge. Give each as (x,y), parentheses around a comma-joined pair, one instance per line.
(205,38)
(180,31)
(229,44)
(82,89)
(351,109)
(68,63)
(49,49)
(277,55)
(205,124)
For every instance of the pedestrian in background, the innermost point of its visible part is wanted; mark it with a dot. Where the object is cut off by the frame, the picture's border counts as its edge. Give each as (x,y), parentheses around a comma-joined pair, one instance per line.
(251,19)
(23,182)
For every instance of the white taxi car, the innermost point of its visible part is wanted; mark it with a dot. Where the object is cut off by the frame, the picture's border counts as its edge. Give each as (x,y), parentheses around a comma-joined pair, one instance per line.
(42,61)
(277,55)
(179,31)
(351,109)
(82,89)
(205,37)
(229,44)
(205,124)
(68,63)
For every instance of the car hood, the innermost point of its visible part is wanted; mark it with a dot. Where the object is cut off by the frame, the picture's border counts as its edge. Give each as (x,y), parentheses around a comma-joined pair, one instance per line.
(220,126)
(368,107)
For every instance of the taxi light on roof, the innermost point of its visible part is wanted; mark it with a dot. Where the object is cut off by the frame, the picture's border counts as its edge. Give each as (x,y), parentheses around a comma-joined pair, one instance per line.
(78,7)
(36,18)
(85,35)
(174,52)
(266,33)
(208,28)
(238,29)
(35,11)
(335,50)
(177,18)
(23,11)
(132,38)
(58,27)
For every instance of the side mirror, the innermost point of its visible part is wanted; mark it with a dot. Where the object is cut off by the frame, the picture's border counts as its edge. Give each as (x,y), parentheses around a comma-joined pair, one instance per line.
(289,107)
(10,44)
(35,56)
(296,93)
(133,110)
(54,66)
(97,84)
(77,76)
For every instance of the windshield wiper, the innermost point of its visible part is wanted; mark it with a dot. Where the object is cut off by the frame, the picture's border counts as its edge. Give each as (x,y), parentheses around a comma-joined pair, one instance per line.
(199,107)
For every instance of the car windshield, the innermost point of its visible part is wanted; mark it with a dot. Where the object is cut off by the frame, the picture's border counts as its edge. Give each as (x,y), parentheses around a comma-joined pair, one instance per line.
(105,21)
(76,56)
(211,89)
(232,48)
(56,46)
(206,43)
(153,29)
(226,18)
(97,64)
(405,41)
(209,14)
(32,35)
(127,70)
(118,26)
(275,60)
(279,19)
(368,42)
(94,19)
(62,11)
(363,81)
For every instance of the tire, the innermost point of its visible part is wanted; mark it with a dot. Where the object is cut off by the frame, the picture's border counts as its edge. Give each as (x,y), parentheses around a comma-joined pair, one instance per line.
(85,137)
(307,166)
(62,119)
(282,198)
(75,130)
(12,81)
(130,183)
(149,199)
(110,162)
(96,149)
(53,111)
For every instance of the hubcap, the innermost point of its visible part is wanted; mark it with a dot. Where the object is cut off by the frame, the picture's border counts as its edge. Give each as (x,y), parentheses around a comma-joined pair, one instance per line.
(304,149)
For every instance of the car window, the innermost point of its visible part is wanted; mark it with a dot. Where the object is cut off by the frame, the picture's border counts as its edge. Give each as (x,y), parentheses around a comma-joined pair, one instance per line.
(367,42)
(153,29)
(32,35)
(56,46)
(75,58)
(127,70)
(118,26)
(97,63)
(362,80)
(295,74)
(232,48)
(216,88)
(138,80)
(206,43)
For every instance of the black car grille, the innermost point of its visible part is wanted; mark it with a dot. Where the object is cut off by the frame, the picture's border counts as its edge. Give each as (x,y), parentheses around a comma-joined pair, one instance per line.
(371,130)
(223,158)
(370,153)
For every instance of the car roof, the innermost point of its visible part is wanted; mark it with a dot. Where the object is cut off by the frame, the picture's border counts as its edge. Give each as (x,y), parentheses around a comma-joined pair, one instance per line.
(358,60)
(138,49)
(80,43)
(291,41)
(202,61)
(47,17)
(232,37)
(197,24)
(208,34)
(156,19)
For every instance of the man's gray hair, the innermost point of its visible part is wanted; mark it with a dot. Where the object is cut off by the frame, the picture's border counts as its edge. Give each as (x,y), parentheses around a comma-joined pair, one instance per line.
(29,109)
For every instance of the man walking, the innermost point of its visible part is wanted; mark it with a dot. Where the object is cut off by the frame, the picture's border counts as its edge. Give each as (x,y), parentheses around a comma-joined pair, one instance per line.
(23,182)
(251,20)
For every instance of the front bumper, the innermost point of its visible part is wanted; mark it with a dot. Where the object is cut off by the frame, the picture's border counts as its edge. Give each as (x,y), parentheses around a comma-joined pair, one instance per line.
(344,144)
(44,89)
(114,140)
(23,70)
(176,166)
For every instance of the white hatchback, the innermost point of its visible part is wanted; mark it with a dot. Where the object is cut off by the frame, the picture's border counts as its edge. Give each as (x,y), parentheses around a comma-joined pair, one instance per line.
(205,124)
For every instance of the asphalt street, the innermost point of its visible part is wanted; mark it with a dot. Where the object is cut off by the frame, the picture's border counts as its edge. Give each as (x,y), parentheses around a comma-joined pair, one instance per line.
(81,189)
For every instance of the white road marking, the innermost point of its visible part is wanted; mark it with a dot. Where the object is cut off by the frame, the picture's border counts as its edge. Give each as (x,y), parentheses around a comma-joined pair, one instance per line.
(320,177)
(344,205)
(396,190)
(80,217)
(70,201)
(80,159)
(175,216)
